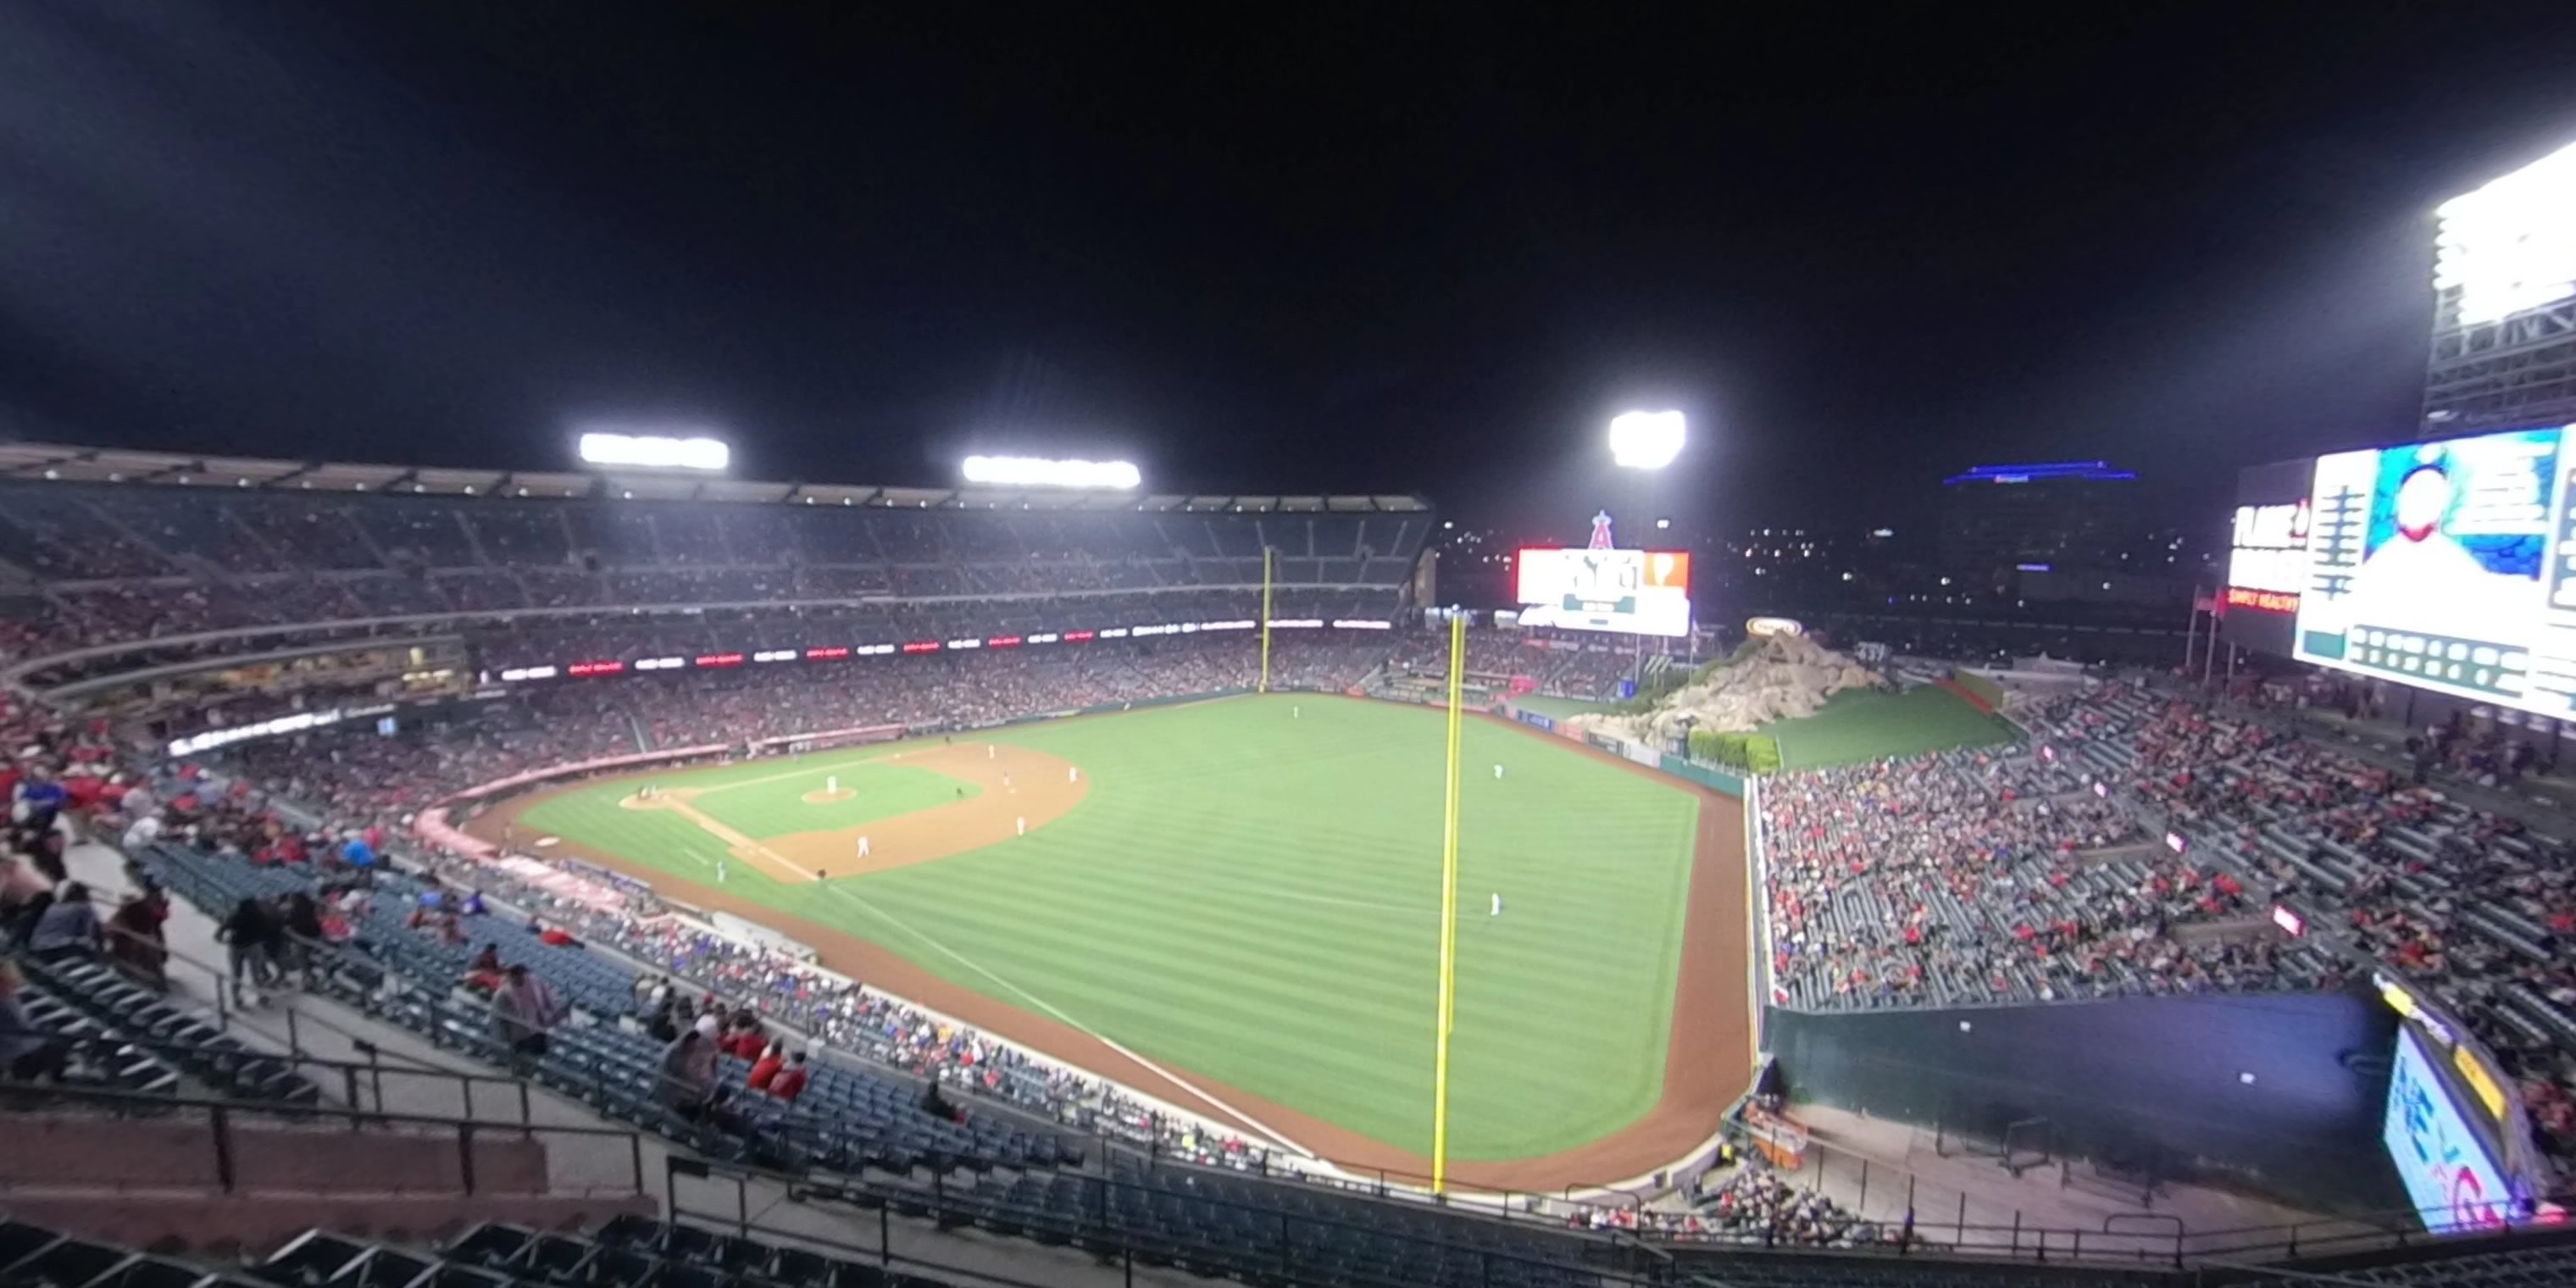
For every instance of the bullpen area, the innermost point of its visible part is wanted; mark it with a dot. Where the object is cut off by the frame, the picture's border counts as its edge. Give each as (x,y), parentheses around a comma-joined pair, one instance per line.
(1233,905)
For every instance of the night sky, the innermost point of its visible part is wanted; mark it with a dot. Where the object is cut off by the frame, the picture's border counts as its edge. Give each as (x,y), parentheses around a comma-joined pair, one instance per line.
(1334,248)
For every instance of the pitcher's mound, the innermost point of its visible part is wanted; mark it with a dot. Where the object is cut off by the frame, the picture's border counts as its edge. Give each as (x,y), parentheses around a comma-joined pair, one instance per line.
(821,797)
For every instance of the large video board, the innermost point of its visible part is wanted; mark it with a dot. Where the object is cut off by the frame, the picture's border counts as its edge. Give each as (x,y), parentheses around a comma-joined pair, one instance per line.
(2267,556)
(2448,565)
(2449,1172)
(1640,592)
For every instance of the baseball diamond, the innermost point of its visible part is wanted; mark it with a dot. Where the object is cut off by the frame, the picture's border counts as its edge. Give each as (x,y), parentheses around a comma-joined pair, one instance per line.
(1233,905)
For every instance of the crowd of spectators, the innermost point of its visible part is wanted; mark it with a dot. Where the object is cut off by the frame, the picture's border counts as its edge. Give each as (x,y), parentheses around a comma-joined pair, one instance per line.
(1558,664)
(354,773)
(2472,905)
(1759,1205)
(120,563)
(2009,874)
(842,1014)
(1981,875)
(1589,674)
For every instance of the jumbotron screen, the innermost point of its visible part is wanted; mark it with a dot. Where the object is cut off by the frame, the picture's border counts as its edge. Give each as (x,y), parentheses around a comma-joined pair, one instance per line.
(1636,592)
(2450,565)
(2449,1172)
(2267,556)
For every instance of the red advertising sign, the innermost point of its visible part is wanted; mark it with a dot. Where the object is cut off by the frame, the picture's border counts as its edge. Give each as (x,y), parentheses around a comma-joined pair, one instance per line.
(2268,601)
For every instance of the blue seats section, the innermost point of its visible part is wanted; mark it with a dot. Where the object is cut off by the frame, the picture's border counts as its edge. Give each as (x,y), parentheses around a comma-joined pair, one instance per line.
(156,1039)
(848,1120)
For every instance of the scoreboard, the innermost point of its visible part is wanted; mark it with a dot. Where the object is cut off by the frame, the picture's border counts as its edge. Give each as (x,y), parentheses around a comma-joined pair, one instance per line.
(1638,592)
(2450,565)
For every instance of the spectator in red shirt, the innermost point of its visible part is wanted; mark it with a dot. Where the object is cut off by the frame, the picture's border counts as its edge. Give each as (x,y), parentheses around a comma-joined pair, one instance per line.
(789,1083)
(764,1071)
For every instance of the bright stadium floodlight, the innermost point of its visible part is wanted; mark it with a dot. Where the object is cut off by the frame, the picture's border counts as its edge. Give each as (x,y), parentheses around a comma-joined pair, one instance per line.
(655,451)
(1034,471)
(1646,440)
(2511,245)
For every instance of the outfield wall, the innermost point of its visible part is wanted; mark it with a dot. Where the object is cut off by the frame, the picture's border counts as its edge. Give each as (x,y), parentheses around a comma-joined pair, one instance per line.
(1708,776)
(2282,1092)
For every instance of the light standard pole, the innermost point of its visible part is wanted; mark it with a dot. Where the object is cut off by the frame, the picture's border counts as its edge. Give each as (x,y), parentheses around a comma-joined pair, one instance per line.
(1645,441)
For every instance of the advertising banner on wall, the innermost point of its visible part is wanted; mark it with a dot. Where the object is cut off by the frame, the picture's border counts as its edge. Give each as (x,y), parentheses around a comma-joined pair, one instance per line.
(2449,1172)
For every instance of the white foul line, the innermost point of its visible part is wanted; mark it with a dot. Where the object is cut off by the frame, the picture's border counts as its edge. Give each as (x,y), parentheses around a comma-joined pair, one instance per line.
(1094,1034)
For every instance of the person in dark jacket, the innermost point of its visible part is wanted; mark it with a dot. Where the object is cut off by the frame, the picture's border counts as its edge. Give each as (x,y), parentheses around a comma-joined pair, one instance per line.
(300,933)
(67,930)
(939,1106)
(245,936)
(689,1074)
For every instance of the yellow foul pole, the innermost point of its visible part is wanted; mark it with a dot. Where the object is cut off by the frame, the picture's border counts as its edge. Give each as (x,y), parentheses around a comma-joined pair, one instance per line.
(1266,552)
(1448,915)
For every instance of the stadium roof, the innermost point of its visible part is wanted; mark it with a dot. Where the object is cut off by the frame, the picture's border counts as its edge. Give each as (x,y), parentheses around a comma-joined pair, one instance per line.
(113,465)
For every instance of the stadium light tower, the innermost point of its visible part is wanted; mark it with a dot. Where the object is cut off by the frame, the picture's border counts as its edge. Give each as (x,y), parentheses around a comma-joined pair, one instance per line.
(1646,440)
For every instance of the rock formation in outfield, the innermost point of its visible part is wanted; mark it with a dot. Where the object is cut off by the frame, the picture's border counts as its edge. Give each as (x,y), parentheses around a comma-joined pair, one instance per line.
(1776,678)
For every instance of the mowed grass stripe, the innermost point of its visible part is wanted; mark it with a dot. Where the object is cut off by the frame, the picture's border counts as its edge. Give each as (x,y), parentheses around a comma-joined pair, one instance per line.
(1340,932)
(1571,899)
(1251,897)
(1266,974)
(1114,910)
(1064,949)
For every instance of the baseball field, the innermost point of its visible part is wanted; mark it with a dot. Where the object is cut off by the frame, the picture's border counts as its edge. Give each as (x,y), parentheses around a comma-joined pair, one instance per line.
(1233,905)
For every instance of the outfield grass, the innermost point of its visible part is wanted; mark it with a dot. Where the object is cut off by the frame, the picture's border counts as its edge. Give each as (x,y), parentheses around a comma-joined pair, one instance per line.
(1250,892)
(1860,724)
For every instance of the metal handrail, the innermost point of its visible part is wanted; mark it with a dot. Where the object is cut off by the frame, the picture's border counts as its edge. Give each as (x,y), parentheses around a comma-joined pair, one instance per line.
(350,1071)
(222,1113)
(228,1014)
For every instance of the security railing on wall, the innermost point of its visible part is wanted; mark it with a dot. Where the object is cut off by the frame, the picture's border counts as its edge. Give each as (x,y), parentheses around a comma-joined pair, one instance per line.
(581,1161)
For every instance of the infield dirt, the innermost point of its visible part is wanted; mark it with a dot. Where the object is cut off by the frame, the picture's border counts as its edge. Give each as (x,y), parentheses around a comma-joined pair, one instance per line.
(1019,792)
